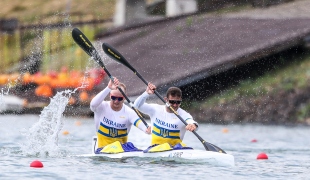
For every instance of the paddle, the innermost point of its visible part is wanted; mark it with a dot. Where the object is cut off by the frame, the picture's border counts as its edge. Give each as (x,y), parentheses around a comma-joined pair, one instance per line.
(87,46)
(114,54)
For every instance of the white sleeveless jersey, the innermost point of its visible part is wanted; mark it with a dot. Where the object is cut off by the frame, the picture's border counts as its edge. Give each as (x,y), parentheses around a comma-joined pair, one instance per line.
(166,127)
(113,125)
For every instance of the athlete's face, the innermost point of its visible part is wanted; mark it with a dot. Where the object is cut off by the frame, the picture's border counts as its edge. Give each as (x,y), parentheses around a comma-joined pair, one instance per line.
(174,102)
(117,100)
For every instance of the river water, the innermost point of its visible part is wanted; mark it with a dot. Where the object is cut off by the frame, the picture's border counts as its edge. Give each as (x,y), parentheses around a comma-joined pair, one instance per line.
(288,150)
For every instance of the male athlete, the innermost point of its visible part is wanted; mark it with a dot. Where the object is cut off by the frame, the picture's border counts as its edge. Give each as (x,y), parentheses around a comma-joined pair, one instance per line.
(113,119)
(166,126)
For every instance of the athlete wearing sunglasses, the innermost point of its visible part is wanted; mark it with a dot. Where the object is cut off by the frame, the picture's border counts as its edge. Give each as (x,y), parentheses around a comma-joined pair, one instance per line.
(114,98)
(166,126)
(113,119)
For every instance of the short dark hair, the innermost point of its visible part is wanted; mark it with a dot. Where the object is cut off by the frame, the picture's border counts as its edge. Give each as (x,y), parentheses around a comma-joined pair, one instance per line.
(174,91)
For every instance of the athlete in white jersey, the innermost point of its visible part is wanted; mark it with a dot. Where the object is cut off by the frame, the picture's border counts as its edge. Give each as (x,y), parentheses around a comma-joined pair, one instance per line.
(166,126)
(113,119)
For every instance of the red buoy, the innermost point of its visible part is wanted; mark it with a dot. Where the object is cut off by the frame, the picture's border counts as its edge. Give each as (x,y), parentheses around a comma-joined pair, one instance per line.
(36,164)
(262,156)
(253,140)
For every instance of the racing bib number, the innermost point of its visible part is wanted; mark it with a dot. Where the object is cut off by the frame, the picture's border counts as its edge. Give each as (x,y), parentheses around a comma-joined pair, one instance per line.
(176,154)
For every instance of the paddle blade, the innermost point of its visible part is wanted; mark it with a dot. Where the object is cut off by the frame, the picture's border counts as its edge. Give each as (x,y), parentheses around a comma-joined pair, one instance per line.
(212,147)
(83,41)
(114,54)
(86,45)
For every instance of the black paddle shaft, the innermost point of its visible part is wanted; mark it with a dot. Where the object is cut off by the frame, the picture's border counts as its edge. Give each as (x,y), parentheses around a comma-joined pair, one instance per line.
(87,46)
(117,56)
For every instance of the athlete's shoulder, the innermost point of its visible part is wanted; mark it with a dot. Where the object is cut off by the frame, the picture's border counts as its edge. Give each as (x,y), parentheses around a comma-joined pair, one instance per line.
(128,110)
(183,112)
(127,107)
(156,105)
(103,106)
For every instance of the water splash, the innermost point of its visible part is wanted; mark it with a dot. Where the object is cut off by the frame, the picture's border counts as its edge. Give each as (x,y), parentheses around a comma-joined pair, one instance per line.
(3,91)
(42,137)
(1,97)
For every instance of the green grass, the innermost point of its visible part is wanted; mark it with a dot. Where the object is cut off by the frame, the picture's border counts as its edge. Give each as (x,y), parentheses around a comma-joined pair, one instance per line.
(294,75)
(56,45)
(30,11)
(59,47)
(235,8)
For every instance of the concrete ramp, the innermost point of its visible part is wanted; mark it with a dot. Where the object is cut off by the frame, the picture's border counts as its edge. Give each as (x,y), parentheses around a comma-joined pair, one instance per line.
(180,51)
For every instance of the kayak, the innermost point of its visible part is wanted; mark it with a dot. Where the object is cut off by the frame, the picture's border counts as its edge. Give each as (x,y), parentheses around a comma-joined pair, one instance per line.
(200,156)
(178,155)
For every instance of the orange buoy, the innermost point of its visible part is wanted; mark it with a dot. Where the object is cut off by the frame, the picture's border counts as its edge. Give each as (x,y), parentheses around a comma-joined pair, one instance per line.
(26,78)
(83,96)
(44,90)
(72,101)
(262,156)
(4,78)
(78,123)
(225,130)
(36,164)
(65,132)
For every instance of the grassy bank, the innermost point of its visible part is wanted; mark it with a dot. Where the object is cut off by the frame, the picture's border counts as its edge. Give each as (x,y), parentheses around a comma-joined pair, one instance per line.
(54,47)
(280,94)
(31,11)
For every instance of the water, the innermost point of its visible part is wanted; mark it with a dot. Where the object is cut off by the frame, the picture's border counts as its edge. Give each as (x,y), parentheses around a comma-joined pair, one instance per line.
(288,149)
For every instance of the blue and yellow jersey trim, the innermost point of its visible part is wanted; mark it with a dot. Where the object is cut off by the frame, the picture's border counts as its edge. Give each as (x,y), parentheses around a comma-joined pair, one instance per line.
(187,119)
(107,135)
(137,122)
(111,132)
(166,133)
(161,135)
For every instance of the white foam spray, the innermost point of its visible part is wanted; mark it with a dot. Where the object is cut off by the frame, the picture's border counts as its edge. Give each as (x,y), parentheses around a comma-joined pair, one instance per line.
(42,137)
(3,91)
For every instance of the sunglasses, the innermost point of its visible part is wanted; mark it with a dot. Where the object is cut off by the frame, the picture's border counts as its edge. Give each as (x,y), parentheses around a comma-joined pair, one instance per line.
(174,102)
(118,98)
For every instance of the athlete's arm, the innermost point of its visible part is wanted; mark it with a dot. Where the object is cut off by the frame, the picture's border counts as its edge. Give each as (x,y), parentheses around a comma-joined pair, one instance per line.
(136,121)
(142,106)
(97,100)
(192,125)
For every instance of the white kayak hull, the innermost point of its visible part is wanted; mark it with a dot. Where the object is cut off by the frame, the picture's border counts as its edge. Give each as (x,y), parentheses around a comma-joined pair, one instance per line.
(186,154)
(183,154)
